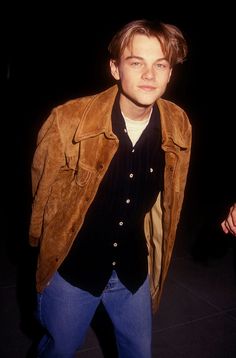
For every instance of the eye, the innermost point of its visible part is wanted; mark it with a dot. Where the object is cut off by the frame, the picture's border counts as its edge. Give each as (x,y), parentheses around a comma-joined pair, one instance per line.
(135,64)
(162,66)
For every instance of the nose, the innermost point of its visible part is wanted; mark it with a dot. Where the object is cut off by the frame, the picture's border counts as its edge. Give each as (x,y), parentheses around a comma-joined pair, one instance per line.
(148,73)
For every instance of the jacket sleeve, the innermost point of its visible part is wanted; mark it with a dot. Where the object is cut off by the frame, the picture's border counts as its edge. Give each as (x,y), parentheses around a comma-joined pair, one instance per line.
(47,161)
(184,161)
(186,154)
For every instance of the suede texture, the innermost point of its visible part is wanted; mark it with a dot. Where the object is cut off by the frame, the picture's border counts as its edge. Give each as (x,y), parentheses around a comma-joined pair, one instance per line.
(74,148)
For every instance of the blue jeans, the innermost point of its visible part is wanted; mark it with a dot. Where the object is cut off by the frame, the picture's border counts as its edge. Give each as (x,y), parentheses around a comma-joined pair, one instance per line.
(66,312)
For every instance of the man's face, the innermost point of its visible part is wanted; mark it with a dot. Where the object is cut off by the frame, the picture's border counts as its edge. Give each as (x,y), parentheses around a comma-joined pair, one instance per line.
(143,71)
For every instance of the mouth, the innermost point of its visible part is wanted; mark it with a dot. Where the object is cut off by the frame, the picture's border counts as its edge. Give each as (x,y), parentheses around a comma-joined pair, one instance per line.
(147,88)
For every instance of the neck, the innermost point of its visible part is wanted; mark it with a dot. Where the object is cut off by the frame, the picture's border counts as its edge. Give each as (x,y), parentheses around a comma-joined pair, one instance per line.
(134,112)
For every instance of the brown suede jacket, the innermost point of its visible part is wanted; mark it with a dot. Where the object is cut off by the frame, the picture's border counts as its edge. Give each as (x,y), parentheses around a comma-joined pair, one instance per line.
(74,148)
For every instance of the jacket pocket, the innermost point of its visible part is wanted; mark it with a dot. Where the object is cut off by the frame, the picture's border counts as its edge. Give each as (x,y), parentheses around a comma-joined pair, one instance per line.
(82,175)
(80,171)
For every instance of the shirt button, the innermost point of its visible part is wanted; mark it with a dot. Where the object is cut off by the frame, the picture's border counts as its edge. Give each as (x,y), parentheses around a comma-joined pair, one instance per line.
(151,170)
(125,130)
(127,201)
(121,223)
(133,150)
(113,263)
(131,175)
(115,244)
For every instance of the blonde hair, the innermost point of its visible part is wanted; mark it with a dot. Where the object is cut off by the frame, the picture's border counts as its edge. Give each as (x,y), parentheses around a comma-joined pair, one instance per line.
(172,41)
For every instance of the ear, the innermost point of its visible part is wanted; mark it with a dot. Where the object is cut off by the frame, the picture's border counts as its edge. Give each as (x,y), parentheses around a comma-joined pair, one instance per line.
(114,69)
(170,75)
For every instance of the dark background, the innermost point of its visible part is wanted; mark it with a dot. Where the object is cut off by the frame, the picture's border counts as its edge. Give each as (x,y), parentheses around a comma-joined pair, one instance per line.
(54,53)
(58,52)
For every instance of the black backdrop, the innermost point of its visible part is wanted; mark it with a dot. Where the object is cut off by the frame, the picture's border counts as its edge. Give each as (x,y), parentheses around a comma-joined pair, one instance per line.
(57,52)
(52,54)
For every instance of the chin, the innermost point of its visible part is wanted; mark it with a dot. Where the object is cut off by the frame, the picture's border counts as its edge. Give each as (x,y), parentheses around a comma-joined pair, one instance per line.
(142,101)
(148,100)
(147,103)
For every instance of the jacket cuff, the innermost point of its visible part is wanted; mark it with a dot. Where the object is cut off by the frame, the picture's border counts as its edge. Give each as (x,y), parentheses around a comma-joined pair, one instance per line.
(33,241)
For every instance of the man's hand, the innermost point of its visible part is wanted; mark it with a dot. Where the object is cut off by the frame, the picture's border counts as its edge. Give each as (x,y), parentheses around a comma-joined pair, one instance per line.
(229,224)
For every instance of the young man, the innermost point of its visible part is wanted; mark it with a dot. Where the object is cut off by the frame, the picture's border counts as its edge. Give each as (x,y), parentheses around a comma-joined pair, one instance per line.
(108,175)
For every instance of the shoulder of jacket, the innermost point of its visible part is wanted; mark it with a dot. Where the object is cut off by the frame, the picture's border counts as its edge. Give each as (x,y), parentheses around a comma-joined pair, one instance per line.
(176,125)
(74,109)
(171,110)
(169,105)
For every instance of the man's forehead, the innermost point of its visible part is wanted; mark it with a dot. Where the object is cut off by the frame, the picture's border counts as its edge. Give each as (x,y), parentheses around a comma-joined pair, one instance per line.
(140,42)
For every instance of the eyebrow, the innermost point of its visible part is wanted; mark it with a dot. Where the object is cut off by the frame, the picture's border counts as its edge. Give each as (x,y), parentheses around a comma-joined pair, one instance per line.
(141,58)
(132,57)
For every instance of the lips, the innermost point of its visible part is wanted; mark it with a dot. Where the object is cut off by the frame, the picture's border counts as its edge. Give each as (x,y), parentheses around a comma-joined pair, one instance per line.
(147,88)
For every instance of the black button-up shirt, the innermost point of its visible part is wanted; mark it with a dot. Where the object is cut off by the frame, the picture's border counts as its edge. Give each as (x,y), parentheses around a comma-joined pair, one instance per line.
(112,236)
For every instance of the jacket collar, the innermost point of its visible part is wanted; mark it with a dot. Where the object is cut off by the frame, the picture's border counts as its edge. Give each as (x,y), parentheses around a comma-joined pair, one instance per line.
(96,119)
(171,123)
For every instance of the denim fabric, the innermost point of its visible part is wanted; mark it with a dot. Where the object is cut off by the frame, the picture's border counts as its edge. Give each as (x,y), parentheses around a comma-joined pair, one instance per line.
(66,311)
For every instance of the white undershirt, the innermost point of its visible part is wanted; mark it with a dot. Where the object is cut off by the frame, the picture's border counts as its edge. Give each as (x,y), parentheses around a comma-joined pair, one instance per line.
(135,128)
